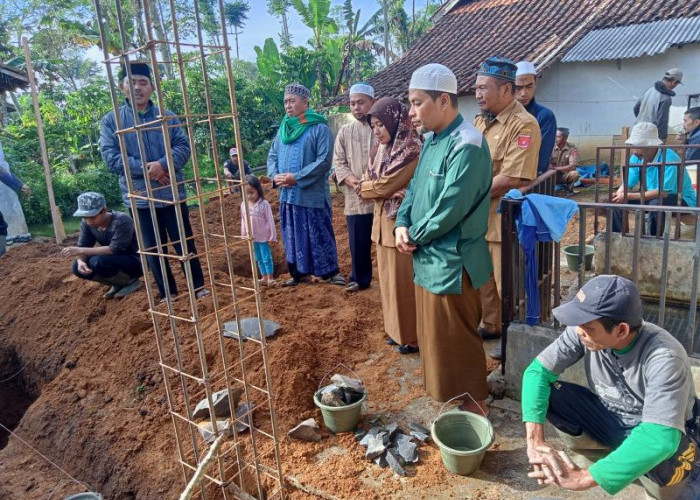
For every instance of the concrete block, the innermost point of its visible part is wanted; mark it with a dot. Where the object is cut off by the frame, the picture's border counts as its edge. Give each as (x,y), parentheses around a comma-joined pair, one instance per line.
(524,344)
(680,264)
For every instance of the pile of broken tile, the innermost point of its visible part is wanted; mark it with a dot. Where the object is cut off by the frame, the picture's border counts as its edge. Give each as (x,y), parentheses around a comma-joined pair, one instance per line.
(222,409)
(389,446)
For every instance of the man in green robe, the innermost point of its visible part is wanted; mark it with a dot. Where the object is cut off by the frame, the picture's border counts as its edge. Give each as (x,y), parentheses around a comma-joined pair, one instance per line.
(443,222)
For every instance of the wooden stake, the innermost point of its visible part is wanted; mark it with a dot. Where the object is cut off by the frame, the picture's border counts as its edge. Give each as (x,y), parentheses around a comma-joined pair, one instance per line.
(58,229)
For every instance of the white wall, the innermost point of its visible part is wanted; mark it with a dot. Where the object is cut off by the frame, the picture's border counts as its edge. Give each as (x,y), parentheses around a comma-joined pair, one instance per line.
(595,100)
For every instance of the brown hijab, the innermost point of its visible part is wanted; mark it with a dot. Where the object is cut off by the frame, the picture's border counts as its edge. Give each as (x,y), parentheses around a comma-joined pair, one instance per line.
(404,148)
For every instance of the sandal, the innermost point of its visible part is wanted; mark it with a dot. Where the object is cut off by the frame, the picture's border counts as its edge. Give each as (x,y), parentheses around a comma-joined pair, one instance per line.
(391,342)
(337,280)
(290,282)
(407,349)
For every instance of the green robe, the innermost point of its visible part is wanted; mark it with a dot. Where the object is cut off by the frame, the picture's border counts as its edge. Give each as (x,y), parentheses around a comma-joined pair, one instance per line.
(446,209)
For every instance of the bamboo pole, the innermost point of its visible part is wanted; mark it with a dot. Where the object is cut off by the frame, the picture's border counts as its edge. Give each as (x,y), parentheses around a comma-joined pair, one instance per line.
(58,228)
(199,473)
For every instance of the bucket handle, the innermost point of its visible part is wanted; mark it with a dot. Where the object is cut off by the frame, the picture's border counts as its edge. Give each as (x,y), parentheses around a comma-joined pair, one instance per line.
(477,405)
(333,369)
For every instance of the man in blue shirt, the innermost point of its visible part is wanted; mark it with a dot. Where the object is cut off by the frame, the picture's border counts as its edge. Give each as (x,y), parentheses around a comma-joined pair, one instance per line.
(298,164)
(525,87)
(152,171)
(642,136)
(691,124)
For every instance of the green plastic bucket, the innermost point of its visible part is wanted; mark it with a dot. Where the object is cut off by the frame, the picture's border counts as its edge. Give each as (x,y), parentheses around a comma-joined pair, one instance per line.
(463,438)
(573,260)
(340,418)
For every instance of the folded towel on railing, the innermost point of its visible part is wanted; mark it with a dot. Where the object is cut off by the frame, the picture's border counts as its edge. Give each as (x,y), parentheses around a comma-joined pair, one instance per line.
(540,218)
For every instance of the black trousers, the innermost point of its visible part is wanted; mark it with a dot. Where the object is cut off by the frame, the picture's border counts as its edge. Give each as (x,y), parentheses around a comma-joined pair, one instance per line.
(360,233)
(107,266)
(574,409)
(168,230)
(654,220)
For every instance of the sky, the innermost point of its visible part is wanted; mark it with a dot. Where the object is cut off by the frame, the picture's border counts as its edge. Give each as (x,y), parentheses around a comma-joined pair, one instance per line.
(261,25)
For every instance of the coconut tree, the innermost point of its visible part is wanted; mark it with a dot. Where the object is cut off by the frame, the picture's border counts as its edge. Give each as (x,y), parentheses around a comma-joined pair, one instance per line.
(236,14)
(358,40)
(280,8)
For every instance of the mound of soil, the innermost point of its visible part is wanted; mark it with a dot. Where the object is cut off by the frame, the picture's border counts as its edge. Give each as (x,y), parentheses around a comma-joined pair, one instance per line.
(91,368)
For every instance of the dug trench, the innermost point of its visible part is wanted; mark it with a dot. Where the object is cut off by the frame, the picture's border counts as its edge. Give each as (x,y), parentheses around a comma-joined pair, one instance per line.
(99,407)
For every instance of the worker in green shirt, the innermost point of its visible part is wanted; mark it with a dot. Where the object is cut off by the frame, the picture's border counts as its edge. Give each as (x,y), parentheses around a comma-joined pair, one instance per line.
(636,420)
(442,222)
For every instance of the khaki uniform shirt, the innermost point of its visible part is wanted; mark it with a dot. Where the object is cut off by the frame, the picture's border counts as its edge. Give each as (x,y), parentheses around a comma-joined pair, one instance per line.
(514,140)
(351,156)
(379,190)
(567,156)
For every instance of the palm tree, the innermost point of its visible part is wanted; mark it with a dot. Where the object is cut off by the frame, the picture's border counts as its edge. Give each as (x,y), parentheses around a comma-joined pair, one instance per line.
(280,8)
(357,41)
(236,14)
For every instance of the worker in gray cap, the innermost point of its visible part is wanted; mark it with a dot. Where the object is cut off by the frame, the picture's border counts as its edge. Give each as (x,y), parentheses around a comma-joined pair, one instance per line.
(655,103)
(636,420)
(442,222)
(114,261)
(298,163)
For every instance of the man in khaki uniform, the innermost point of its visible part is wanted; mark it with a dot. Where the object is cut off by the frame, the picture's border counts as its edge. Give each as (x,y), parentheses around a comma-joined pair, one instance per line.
(564,160)
(350,160)
(513,136)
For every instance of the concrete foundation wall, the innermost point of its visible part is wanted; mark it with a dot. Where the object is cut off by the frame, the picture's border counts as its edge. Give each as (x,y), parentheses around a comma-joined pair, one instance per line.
(680,264)
(12,211)
(524,344)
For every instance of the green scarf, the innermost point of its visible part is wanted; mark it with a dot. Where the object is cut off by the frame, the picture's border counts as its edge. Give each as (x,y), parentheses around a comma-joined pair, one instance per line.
(292,128)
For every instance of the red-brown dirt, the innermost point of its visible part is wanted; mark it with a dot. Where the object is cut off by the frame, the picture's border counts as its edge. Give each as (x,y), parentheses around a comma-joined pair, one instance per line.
(92,367)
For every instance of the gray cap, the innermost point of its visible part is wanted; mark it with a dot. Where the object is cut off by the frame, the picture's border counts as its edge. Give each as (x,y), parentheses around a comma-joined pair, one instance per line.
(674,74)
(90,204)
(605,296)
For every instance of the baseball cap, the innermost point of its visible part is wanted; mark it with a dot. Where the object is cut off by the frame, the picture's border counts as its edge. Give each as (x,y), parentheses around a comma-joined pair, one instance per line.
(605,296)
(90,204)
(233,151)
(674,74)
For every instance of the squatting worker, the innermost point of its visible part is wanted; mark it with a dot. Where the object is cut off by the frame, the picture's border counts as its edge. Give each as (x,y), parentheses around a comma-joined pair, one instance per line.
(564,160)
(350,160)
(637,417)
(114,261)
(298,164)
(525,88)
(513,136)
(154,171)
(232,170)
(442,222)
(393,161)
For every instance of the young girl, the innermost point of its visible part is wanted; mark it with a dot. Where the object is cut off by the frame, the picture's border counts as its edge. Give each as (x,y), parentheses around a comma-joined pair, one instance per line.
(263,231)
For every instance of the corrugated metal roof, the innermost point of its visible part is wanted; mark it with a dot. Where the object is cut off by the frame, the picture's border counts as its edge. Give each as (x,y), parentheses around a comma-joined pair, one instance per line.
(634,40)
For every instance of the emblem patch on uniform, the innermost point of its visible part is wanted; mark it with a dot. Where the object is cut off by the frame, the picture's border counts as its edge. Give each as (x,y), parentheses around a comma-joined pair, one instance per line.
(581,296)
(524,141)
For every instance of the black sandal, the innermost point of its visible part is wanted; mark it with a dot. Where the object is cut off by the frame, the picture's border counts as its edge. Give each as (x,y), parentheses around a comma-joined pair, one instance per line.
(407,349)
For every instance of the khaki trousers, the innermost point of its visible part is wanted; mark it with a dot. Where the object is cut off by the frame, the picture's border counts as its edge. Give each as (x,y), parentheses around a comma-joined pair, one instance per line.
(491,293)
(451,351)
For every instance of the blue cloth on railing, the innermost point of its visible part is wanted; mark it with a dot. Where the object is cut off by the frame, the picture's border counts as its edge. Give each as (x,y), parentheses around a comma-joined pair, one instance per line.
(588,171)
(540,218)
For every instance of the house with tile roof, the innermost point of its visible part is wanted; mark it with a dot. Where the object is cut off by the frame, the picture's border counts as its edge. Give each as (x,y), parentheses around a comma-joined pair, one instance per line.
(594,57)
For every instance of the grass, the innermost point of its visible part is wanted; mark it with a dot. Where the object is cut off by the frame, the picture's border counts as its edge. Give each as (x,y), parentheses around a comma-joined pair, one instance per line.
(71,225)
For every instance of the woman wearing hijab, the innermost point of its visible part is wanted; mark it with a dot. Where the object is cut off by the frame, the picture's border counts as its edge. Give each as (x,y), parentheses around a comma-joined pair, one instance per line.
(392,163)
